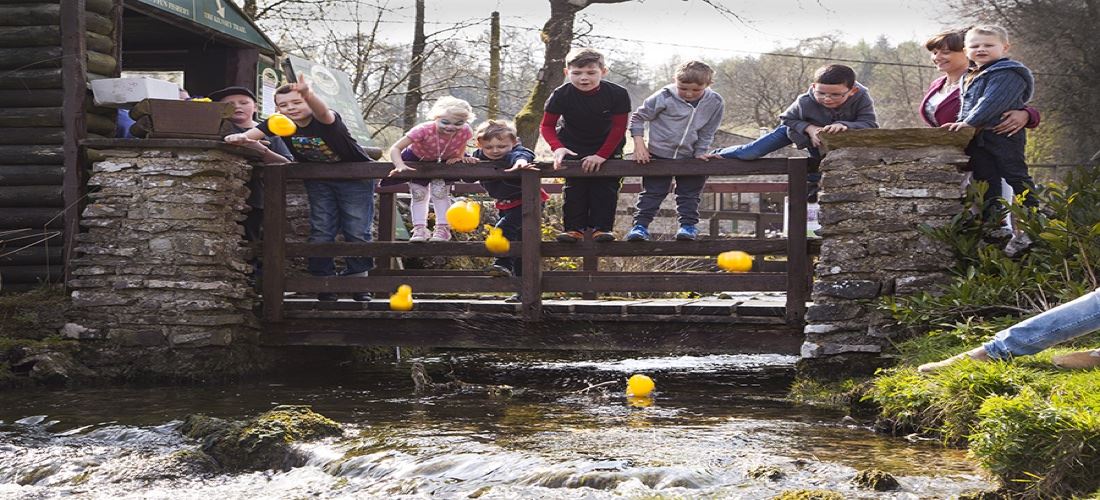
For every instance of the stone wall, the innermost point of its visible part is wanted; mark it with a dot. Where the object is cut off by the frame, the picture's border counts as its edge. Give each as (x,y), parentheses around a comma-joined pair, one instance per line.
(162,259)
(877,188)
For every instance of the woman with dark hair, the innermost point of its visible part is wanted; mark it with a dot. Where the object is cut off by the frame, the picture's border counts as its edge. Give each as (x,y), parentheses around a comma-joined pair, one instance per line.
(941,101)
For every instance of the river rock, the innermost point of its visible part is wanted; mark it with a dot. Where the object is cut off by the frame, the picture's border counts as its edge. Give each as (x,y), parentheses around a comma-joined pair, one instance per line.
(263,442)
(809,495)
(875,479)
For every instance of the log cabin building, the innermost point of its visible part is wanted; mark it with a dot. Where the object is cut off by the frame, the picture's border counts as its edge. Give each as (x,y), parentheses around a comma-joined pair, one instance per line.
(49,51)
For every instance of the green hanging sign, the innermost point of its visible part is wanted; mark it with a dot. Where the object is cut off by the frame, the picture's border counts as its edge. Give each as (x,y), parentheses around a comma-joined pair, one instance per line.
(219,15)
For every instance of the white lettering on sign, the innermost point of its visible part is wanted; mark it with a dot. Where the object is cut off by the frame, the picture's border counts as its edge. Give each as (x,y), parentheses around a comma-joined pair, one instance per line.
(165,4)
(224,22)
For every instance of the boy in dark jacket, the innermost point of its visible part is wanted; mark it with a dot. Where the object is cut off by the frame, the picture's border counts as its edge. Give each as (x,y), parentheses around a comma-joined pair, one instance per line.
(498,141)
(994,85)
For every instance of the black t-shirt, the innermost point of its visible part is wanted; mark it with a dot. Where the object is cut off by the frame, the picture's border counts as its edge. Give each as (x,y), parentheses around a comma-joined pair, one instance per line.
(586,119)
(318,142)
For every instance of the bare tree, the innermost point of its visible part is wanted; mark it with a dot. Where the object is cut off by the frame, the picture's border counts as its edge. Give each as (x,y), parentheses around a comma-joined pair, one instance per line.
(414,96)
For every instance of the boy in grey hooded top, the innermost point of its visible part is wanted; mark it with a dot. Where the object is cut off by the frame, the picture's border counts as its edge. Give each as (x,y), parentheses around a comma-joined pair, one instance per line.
(683,118)
(835,102)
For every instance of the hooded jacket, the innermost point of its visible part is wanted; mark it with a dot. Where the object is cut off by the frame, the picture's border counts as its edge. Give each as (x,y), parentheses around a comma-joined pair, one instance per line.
(678,129)
(856,112)
(987,92)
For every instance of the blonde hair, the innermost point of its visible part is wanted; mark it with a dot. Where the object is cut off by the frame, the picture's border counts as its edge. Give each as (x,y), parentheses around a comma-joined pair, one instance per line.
(989,29)
(697,72)
(583,56)
(497,129)
(448,105)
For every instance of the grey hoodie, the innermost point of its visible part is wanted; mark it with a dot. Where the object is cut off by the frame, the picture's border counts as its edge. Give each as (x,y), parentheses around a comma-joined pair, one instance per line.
(678,129)
(857,112)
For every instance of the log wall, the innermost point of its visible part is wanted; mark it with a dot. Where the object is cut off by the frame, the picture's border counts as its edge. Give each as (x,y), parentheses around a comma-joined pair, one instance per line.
(48,52)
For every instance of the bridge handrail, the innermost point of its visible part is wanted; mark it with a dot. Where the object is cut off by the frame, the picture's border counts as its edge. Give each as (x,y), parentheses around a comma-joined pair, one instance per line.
(531,249)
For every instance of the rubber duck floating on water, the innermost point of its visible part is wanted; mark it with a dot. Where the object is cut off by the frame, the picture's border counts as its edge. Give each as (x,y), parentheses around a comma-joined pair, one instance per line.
(403,299)
(464,216)
(496,242)
(735,261)
(639,386)
(280,125)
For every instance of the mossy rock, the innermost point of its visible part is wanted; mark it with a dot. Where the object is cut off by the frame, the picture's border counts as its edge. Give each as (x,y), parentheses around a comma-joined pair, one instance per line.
(769,472)
(809,495)
(875,479)
(260,443)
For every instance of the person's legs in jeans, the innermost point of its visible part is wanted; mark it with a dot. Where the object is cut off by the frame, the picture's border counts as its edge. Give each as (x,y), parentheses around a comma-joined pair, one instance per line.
(1010,162)
(654,190)
(1065,322)
(510,224)
(356,200)
(688,190)
(324,219)
(983,167)
(773,141)
(1054,326)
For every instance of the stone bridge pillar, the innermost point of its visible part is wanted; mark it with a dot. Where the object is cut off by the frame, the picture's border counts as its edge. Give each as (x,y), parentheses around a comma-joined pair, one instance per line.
(162,259)
(877,188)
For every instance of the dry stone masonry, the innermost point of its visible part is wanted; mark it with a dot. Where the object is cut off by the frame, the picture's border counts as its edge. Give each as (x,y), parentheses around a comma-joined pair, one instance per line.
(877,188)
(162,259)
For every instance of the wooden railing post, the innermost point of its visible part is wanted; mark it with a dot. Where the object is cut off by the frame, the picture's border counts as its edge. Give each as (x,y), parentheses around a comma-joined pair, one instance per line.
(274,241)
(798,263)
(387,212)
(531,246)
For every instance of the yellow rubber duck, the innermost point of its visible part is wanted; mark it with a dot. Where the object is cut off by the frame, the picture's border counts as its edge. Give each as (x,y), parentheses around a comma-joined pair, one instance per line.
(464,216)
(403,299)
(280,125)
(496,242)
(639,386)
(735,261)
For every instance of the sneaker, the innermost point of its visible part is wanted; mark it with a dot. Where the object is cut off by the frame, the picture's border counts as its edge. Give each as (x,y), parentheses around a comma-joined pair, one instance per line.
(420,234)
(1081,360)
(638,233)
(687,232)
(603,236)
(500,271)
(570,236)
(327,297)
(1017,245)
(442,232)
(514,298)
(1000,233)
(361,297)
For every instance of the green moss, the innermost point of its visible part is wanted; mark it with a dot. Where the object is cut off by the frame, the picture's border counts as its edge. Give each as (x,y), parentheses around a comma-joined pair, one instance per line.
(809,495)
(33,314)
(845,394)
(262,442)
(875,479)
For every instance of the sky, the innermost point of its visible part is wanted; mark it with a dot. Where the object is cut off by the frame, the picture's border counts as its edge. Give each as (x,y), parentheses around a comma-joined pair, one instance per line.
(666,29)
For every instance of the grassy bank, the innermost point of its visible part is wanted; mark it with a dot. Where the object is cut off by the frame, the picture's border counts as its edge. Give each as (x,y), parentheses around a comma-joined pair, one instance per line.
(1033,426)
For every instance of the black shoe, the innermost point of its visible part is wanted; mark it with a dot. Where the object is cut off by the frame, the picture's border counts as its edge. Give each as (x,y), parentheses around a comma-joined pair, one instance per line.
(327,297)
(361,297)
(514,298)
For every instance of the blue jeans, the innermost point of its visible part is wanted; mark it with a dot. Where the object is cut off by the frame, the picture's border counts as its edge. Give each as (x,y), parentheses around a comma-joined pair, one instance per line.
(773,141)
(1065,322)
(347,206)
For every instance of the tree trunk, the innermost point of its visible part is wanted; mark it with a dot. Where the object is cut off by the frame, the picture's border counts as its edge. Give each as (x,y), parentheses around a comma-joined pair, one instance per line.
(557,35)
(250,9)
(494,67)
(413,96)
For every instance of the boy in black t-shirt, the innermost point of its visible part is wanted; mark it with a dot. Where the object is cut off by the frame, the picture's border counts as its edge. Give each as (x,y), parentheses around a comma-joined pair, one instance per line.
(593,116)
(345,205)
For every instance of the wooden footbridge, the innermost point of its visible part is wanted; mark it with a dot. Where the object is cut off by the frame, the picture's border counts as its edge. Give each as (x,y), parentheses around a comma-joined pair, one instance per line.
(471,312)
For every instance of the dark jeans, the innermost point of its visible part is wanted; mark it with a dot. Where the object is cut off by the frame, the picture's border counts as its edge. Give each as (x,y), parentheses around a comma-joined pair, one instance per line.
(345,206)
(590,203)
(511,225)
(996,156)
(769,143)
(654,189)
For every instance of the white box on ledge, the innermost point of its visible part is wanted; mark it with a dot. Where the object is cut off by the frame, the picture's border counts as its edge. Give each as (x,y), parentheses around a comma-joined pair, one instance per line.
(122,92)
